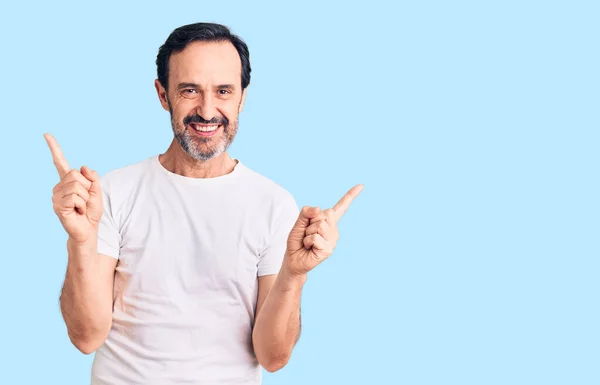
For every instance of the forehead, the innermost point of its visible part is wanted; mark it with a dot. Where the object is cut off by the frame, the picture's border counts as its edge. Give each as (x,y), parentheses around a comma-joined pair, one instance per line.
(206,62)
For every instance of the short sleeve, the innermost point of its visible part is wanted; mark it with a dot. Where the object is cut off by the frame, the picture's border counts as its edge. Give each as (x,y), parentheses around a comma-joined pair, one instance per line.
(285,215)
(109,239)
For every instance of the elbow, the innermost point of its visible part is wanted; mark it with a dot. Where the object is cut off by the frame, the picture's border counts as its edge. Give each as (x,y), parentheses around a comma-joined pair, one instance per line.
(84,347)
(271,358)
(89,343)
(271,362)
(274,367)
(275,364)
(87,346)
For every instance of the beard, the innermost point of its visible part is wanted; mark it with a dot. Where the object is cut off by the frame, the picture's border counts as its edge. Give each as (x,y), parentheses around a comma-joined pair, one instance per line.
(199,148)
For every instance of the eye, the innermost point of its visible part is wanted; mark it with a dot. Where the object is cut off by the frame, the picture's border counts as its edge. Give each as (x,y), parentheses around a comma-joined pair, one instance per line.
(189,93)
(224,92)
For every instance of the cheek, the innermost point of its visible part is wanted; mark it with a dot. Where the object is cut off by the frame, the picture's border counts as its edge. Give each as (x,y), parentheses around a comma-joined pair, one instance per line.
(230,109)
(180,109)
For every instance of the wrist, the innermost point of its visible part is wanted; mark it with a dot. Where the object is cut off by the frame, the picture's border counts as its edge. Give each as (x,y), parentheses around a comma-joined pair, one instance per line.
(80,251)
(292,279)
(81,244)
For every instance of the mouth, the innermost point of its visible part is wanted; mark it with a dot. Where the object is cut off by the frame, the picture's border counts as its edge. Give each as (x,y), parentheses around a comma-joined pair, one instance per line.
(205,129)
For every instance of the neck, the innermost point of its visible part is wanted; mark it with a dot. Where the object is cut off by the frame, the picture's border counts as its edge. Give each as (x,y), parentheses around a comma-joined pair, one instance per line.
(177,161)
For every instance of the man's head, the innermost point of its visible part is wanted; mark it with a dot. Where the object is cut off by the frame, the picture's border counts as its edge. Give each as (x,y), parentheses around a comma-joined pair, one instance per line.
(203,72)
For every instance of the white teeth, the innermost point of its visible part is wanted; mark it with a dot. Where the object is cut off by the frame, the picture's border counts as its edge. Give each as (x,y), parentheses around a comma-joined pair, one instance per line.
(205,128)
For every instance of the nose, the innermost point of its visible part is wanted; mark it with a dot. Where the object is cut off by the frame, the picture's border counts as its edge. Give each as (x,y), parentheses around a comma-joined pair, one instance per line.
(206,107)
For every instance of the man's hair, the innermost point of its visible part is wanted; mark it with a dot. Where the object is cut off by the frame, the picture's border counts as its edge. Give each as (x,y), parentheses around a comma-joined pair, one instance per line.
(207,32)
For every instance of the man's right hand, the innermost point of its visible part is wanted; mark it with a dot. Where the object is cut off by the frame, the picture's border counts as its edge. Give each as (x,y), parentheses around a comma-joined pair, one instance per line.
(77,197)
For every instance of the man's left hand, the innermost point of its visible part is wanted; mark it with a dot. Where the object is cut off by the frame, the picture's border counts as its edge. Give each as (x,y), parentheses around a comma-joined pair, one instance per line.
(315,234)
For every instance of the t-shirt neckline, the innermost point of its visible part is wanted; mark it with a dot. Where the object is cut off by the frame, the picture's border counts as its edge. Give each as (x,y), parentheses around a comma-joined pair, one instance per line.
(190,180)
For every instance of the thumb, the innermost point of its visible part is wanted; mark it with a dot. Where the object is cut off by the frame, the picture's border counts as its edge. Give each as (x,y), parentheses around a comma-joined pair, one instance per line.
(92,176)
(306,214)
(296,238)
(94,204)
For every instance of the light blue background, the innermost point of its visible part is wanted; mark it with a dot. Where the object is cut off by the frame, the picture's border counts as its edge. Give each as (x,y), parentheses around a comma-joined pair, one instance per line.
(471,257)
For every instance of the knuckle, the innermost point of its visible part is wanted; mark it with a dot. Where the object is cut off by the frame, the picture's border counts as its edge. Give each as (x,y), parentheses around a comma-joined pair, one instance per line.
(79,187)
(66,188)
(68,177)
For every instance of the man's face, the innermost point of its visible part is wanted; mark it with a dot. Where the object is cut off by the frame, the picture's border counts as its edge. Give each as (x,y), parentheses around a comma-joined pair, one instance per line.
(204,97)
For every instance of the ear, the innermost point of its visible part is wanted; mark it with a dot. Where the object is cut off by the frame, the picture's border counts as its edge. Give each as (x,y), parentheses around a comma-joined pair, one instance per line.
(162,94)
(243,100)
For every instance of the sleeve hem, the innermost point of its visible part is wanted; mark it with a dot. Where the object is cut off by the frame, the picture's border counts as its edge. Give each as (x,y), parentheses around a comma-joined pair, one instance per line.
(268,270)
(108,251)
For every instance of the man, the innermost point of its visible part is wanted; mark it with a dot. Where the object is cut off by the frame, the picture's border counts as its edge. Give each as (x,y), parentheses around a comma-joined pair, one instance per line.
(188,267)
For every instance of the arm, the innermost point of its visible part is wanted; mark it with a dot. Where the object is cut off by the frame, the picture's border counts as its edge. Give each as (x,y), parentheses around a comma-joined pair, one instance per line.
(311,240)
(277,323)
(86,297)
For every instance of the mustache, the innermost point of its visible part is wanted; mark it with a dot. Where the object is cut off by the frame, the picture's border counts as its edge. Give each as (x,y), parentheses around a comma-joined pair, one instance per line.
(199,119)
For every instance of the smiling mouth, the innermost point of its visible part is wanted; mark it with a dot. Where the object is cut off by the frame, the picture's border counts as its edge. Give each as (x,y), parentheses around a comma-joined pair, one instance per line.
(205,129)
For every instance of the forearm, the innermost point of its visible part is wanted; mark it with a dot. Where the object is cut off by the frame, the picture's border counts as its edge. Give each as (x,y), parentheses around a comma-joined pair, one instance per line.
(85,305)
(277,326)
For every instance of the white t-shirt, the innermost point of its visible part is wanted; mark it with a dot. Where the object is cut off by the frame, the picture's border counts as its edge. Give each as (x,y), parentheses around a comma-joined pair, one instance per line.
(190,251)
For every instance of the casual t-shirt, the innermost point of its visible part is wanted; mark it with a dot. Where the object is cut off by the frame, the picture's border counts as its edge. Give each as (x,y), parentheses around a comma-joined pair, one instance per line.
(190,251)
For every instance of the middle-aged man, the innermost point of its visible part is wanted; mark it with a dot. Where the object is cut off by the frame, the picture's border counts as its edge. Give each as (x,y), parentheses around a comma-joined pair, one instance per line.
(187,267)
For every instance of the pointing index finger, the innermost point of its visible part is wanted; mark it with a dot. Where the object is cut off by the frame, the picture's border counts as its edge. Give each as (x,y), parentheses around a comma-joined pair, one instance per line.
(57,155)
(341,207)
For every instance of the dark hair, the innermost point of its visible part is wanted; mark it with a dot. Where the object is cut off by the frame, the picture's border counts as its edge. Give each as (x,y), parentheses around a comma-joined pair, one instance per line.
(209,32)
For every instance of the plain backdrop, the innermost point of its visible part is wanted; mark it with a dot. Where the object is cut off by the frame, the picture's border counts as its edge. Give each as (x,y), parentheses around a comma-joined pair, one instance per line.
(471,256)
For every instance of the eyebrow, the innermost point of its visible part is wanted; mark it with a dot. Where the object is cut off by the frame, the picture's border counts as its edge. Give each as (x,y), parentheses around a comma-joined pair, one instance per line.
(194,85)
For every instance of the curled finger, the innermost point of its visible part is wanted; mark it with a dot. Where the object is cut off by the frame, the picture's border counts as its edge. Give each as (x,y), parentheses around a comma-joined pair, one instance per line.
(315,241)
(69,203)
(73,175)
(321,227)
(74,187)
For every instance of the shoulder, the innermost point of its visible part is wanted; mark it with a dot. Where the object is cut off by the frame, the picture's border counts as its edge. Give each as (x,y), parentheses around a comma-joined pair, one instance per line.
(125,178)
(266,189)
